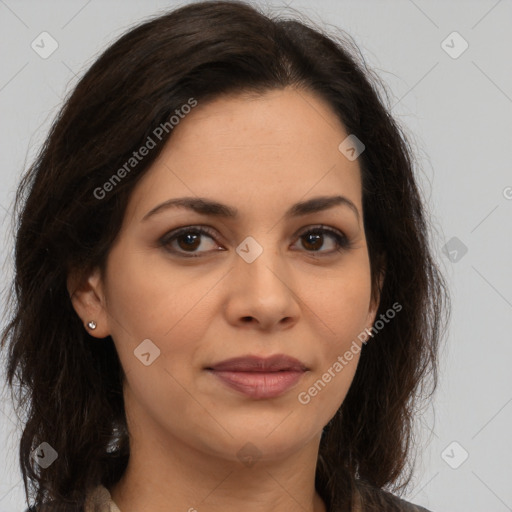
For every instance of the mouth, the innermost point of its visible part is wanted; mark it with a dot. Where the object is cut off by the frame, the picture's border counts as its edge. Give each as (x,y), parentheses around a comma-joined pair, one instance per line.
(258,377)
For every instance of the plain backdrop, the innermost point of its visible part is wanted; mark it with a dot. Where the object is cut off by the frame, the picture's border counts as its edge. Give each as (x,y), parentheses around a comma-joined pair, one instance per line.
(454,102)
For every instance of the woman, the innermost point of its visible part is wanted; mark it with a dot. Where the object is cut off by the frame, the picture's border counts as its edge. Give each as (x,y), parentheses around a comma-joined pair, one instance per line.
(224,290)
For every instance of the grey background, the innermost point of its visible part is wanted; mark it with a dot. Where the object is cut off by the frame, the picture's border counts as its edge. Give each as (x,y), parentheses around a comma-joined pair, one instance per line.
(457,112)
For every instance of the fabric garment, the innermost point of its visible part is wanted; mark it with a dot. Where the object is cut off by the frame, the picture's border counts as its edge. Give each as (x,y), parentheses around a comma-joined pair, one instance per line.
(100,500)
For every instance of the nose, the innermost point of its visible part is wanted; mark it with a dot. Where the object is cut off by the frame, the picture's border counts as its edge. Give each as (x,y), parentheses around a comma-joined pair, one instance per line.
(261,294)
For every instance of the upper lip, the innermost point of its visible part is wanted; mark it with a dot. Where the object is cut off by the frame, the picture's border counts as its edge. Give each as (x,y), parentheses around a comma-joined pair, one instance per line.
(275,363)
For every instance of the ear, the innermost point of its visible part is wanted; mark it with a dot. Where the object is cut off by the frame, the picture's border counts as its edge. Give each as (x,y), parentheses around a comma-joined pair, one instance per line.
(87,296)
(375,300)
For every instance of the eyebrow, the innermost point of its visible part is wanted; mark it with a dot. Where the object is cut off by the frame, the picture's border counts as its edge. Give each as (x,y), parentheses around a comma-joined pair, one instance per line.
(204,206)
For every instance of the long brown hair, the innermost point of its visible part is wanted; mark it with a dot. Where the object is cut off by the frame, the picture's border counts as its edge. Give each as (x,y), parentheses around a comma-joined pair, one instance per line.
(70,387)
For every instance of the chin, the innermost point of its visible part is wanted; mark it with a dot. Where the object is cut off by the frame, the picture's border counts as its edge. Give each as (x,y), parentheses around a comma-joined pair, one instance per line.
(265,444)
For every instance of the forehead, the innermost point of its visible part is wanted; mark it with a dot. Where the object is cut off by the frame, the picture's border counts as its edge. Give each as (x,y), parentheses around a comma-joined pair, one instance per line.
(275,148)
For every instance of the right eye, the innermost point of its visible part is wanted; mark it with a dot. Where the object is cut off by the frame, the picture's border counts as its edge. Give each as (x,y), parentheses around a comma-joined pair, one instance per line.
(187,240)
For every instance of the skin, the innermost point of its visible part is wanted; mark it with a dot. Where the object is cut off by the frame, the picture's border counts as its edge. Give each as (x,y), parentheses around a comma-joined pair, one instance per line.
(261,155)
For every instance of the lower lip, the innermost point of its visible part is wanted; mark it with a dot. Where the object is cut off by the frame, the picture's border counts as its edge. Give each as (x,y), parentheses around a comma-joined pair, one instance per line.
(259,384)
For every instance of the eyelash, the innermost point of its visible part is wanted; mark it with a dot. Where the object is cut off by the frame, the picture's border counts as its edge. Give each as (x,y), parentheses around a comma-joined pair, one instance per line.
(342,242)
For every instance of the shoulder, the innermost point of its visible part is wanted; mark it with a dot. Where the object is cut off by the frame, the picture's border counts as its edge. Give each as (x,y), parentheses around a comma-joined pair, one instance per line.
(98,499)
(53,507)
(373,498)
(401,505)
(407,506)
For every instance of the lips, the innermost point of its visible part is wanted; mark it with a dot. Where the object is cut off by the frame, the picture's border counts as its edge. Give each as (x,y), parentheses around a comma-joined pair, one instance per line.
(259,377)
(276,363)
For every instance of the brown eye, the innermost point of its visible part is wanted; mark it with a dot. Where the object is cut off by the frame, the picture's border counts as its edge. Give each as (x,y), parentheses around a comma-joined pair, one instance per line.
(314,239)
(188,240)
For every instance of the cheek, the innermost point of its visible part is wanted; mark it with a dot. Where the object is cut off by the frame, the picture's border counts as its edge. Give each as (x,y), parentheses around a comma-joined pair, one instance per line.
(341,302)
(342,308)
(325,391)
(145,294)
(145,301)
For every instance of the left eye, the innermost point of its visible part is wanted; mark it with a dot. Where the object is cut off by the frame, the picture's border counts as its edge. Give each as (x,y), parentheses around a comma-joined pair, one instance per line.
(189,240)
(314,238)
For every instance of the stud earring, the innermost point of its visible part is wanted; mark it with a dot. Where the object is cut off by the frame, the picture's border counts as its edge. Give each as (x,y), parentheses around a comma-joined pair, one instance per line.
(91,325)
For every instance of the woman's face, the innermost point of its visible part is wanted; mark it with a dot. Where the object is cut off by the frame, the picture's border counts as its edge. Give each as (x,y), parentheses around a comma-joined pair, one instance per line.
(258,283)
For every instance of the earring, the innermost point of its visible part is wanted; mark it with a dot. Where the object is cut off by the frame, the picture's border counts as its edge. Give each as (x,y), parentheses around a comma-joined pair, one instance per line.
(369,336)
(91,324)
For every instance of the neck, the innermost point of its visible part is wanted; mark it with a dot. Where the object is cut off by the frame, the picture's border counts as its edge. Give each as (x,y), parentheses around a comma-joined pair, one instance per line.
(170,474)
